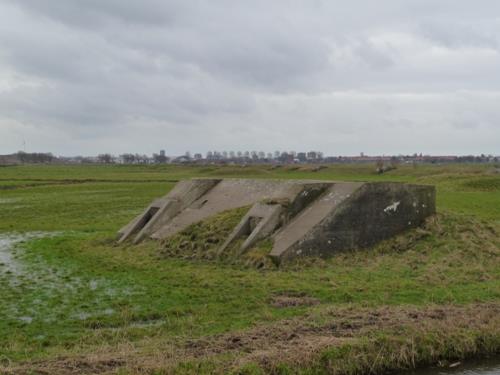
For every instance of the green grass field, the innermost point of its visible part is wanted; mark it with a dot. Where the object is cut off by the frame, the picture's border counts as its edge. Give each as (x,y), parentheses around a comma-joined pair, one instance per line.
(72,299)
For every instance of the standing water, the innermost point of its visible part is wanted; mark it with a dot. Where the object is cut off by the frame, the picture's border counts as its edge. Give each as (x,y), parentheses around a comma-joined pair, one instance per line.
(34,291)
(489,366)
(8,254)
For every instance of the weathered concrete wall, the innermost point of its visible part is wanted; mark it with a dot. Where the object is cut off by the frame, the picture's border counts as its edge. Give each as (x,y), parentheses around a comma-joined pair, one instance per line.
(303,217)
(286,240)
(227,195)
(374,212)
(181,197)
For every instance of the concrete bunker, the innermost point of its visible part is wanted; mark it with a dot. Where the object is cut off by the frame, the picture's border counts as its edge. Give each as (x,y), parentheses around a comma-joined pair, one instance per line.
(301,217)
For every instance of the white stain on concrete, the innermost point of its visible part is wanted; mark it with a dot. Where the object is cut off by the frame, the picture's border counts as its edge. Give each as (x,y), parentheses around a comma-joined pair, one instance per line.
(393,207)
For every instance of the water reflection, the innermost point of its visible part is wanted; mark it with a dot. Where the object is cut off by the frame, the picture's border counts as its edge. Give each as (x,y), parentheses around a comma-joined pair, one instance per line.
(489,366)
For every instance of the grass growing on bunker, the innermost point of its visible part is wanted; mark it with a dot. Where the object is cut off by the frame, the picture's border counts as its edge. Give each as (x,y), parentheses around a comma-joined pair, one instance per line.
(202,240)
(90,305)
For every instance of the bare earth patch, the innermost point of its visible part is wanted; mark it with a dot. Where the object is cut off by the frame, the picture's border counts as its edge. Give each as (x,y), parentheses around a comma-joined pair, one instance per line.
(284,300)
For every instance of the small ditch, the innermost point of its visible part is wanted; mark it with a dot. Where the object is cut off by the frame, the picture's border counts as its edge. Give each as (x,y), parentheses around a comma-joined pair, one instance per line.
(487,366)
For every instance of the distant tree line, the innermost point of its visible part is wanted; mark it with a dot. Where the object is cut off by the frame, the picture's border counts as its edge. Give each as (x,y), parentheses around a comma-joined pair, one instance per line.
(383,163)
(35,157)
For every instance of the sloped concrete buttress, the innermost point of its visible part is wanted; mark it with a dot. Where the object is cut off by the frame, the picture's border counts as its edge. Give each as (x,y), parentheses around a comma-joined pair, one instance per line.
(372,213)
(288,238)
(302,217)
(161,211)
(259,222)
(227,195)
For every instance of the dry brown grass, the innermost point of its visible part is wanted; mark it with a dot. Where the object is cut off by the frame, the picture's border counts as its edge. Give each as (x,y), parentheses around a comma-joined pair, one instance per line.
(411,336)
(292,298)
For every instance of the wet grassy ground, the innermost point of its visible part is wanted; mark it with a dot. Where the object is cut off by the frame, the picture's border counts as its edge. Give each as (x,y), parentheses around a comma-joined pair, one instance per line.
(70,291)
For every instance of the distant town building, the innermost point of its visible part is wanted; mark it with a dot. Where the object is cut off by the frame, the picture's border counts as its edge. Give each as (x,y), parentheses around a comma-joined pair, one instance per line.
(311,155)
(12,159)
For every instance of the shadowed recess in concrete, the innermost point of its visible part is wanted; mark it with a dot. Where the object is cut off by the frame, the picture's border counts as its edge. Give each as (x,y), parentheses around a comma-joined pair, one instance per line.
(302,217)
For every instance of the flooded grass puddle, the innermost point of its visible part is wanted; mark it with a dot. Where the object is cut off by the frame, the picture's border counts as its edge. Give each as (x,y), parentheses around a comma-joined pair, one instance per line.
(34,291)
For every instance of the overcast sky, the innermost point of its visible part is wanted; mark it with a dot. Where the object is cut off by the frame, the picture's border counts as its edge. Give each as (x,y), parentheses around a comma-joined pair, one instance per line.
(342,77)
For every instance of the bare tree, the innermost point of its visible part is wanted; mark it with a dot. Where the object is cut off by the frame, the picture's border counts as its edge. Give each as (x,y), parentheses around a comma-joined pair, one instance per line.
(160,158)
(105,158)
(35,157)
(128,158)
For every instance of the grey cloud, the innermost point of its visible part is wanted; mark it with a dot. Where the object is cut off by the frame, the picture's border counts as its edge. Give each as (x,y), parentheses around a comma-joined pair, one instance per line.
(96,13)
(202,73)
(373,56)
(457,34)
